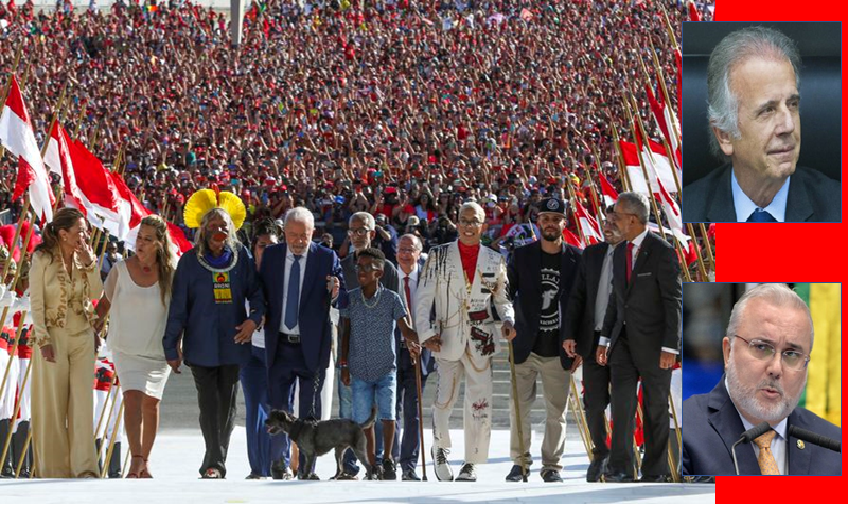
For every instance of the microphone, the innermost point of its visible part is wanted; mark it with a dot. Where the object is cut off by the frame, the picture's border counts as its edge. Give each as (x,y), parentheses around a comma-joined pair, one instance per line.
(747,437)
(814,438)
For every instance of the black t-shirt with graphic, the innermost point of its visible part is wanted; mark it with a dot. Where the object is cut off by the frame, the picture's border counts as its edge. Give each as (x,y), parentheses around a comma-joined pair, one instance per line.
(548,338)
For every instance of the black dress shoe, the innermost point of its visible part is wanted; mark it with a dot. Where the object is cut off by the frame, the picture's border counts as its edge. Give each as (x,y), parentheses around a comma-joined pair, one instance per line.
(254,476)
(516,473)
(619,477)
(596,469)
(655,478)
(410,474)
(551,475)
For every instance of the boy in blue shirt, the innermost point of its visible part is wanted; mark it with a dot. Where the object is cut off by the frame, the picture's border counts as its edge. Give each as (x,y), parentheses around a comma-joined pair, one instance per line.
(368,355)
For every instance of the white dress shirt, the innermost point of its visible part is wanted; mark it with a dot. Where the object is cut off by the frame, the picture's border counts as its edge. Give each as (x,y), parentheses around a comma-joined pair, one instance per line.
(777,446)
(638,241)
(744,207)
(290,261)
(606,279)
(412,285)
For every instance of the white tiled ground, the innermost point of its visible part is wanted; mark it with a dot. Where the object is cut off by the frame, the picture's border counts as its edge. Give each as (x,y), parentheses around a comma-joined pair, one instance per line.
(177,455)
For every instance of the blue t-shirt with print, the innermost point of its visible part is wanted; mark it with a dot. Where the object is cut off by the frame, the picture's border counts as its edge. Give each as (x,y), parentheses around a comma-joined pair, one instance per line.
(371,344)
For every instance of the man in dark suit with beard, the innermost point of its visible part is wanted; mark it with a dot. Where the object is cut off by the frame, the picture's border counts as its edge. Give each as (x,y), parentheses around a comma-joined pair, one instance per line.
(641,337)
(580,334)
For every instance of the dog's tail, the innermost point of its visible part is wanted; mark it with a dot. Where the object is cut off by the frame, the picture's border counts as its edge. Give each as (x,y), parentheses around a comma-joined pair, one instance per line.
(369,422)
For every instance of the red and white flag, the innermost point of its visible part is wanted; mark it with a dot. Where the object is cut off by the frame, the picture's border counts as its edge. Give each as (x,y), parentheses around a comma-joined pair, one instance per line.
(107,208)
(609,194)
(667,124)
(589,225)
(657,165)
(674,215)
(59,161)
(17,135)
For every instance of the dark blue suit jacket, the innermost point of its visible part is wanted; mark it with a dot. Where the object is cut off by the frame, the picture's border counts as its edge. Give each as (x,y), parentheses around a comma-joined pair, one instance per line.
(314,321)
(207,328)
(812,197)
(711,425)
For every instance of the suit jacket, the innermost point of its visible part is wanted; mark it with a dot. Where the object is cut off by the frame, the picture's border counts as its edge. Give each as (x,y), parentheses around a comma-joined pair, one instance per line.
(50,291)
(812,197)
(442,285)
(580,316)
(712,425)
(426,360)
(525,288)
(314,320)
(651,305)
(205,327)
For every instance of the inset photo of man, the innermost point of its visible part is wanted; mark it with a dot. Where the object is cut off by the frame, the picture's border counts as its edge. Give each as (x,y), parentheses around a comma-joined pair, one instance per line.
(762,129)
(762,379)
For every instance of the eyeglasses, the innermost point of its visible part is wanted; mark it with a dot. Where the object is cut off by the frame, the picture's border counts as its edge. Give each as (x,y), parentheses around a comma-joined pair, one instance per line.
(366,268)
(407,250)
(359,231)
(474,222)
(763,351)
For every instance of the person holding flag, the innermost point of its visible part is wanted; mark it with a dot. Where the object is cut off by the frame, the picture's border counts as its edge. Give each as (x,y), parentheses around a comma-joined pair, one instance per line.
(63,282)
(208,323)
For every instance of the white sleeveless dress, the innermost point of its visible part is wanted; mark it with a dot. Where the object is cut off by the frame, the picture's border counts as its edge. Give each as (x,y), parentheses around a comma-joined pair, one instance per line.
(136,325)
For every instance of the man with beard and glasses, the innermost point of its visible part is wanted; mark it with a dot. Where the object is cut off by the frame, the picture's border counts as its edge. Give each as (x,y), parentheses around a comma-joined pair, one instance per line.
(766,351)
(540,279)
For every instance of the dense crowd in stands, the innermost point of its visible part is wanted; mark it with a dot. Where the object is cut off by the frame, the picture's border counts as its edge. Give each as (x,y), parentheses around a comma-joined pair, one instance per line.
(398,107)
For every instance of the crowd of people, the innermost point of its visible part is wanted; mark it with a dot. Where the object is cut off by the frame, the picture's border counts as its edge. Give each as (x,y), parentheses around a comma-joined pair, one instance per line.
(394,130)
(397,108)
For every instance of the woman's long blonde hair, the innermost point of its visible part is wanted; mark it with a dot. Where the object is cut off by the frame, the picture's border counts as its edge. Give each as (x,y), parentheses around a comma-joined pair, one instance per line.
(164,254)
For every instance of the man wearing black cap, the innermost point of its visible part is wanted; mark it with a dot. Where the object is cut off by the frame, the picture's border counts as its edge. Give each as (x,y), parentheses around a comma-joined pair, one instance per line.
(540,278)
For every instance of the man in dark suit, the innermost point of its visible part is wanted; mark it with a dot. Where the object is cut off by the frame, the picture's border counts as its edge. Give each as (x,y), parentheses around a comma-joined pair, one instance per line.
(540,279)
(640,337)
(300,281)
(580,332)
(406,449)
(766,351)
(753,111)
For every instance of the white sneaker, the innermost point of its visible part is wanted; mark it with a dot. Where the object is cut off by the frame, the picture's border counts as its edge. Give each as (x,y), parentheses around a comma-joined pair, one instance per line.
(441,465)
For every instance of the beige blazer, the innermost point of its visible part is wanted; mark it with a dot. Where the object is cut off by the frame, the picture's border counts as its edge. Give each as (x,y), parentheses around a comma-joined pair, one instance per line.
(51,289)
(462,311)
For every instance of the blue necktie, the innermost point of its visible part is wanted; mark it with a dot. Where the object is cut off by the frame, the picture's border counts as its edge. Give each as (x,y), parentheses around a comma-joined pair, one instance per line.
(293,293)
(760,216)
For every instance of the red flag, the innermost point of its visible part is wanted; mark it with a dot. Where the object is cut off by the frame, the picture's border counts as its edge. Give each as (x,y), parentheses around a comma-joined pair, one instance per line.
(693,14)
(591,228)
(179,239)
(571,238)
(137,210)
(108,209)
(58,160)
(17,135)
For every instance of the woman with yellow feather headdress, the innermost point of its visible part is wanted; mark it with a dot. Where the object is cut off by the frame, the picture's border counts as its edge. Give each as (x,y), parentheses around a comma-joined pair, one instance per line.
(208,326)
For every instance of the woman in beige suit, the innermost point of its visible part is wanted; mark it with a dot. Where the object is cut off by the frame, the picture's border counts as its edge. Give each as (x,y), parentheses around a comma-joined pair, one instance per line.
(63,282)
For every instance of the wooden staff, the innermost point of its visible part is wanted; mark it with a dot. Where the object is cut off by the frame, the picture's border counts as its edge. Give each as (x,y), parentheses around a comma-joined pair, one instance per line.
(79,121)
(12,287)
(112,441)
(663,83)
(702,269)
(643,167)
(516,411)
(621,167)
(17,410)
(670,32)
(707,246)
(581,420)
(587,444)
(571,190)
(678,430)
(418,372)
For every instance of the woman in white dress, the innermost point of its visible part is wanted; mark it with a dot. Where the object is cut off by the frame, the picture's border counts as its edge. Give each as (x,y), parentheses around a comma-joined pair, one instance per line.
(137,294)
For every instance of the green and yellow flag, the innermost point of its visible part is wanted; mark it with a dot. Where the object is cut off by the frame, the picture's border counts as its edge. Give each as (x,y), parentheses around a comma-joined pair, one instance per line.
(823,390)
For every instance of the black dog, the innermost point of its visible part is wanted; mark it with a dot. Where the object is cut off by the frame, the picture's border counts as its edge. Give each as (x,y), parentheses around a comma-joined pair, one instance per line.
(317,438)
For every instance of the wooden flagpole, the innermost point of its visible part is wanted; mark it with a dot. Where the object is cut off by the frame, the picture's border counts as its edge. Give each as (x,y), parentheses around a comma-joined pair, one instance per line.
(621,167)
(670,32)
(707,247)
(663,84)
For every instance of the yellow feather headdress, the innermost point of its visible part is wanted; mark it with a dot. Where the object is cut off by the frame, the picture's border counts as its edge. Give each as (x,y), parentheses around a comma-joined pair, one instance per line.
(206,200)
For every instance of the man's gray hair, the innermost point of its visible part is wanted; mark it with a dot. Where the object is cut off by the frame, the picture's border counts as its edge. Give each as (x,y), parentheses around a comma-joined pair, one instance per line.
(417,242)
(299,215)
(367,219)
(753,41)
(779,295)
(202,236)
(479,211)
(637,204)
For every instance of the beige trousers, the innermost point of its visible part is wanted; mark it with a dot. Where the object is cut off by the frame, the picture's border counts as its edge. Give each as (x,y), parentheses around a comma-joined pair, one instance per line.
(62,406)
(556,393)
(477,373)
